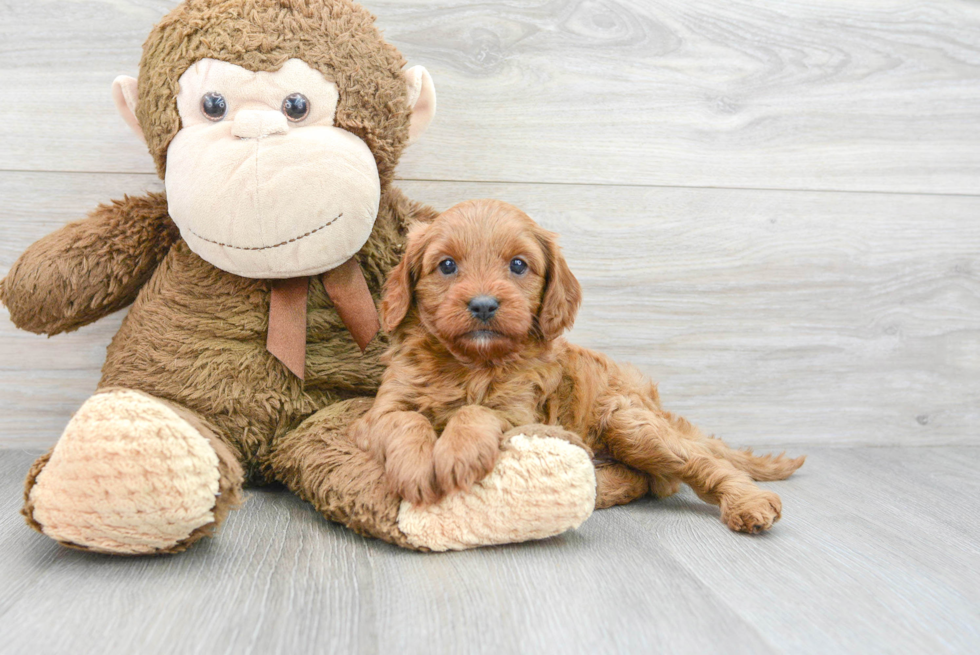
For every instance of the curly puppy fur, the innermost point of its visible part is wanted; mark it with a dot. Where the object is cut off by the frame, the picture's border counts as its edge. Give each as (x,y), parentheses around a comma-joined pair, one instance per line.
(475,310)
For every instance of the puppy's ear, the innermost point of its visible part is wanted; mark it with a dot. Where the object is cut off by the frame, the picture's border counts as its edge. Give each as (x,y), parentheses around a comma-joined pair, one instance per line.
(396,299)
(562,292)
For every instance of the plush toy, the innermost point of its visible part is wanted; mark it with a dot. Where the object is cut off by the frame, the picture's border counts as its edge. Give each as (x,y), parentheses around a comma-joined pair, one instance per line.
(252,339)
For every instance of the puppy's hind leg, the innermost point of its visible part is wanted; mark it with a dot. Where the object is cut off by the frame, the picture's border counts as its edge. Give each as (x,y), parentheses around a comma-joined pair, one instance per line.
(663,486)
(760,467)
(665,447)
(618,484)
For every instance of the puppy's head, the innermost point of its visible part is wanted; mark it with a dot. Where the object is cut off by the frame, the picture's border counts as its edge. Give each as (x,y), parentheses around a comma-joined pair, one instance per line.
(484,279)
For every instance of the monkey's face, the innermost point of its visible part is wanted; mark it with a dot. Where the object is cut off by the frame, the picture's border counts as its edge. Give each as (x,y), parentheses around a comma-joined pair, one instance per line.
(259,180)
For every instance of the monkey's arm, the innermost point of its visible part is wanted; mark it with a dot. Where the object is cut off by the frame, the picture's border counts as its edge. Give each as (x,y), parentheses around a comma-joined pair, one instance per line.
(89,268)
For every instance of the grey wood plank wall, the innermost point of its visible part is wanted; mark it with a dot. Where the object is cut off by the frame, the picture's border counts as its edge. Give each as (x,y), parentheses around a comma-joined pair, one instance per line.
(772,206)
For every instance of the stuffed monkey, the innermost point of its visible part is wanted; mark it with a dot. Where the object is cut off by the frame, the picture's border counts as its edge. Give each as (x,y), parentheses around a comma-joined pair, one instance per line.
(252,341)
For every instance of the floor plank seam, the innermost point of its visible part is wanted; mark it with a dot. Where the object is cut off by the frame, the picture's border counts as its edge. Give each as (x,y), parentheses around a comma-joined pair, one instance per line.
(610,185)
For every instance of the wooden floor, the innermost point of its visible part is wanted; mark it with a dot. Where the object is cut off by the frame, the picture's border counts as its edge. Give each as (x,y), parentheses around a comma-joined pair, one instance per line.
(878,552)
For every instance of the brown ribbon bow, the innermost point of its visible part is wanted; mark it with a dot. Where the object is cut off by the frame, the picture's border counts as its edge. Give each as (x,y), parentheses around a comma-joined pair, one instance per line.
(351,297)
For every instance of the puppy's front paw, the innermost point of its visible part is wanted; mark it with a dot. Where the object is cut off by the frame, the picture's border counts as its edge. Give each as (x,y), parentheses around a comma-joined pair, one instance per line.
(408,467)
(360,433)
(752,513)
(417,485)
(463,459)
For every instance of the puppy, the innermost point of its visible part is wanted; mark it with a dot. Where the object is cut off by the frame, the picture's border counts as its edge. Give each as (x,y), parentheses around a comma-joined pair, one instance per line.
(475,310)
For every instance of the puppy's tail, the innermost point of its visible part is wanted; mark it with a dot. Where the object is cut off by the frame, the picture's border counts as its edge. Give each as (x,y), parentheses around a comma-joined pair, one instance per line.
(760,467)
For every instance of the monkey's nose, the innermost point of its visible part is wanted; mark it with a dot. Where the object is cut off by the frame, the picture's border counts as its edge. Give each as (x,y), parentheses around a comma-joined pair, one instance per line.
(483,307)
(257,124)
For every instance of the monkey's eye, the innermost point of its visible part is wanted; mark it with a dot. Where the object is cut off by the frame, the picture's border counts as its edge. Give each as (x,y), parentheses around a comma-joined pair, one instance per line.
(447,266)
(518,266)
(213,106)
(296,107)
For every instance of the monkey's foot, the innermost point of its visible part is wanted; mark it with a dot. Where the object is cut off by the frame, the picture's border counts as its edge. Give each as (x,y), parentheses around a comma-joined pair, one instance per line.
(540,487)
(131,475)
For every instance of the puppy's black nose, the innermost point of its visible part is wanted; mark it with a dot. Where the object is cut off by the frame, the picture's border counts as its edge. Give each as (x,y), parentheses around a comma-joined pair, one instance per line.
(483,307)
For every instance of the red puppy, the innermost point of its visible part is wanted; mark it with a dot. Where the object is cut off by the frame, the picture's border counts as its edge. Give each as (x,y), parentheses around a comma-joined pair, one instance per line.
(476,310)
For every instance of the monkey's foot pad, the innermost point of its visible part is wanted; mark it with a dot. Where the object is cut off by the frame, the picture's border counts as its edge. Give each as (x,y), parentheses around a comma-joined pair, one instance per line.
(540,487)
(128,476)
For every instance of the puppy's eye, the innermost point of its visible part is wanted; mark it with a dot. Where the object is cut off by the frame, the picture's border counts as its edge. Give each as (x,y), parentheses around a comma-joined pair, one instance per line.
(213,106)
(518,266)
(447,266)
(296,107)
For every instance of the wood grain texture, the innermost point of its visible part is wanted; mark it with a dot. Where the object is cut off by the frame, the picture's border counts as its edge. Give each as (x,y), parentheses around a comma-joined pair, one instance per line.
(877,552)
(876,95)
(783,318)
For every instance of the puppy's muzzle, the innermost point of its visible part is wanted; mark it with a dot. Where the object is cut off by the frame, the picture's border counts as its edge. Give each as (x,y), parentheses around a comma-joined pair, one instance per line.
(483,308)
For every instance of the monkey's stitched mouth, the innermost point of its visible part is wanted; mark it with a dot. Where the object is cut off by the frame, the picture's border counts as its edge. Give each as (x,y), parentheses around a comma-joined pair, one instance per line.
(275,245)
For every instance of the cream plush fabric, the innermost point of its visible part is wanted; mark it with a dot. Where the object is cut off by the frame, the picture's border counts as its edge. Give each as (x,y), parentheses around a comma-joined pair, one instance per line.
(128,476)
(541,486)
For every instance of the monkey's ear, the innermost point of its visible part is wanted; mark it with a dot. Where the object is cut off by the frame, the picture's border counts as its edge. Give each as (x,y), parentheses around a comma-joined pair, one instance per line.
(124,94)
(422,100)
(562,292)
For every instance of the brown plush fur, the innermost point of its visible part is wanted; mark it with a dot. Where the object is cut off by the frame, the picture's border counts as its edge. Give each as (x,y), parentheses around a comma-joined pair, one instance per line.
(324,467)
(50,289)
(196,335)
(28,508)
(452,391)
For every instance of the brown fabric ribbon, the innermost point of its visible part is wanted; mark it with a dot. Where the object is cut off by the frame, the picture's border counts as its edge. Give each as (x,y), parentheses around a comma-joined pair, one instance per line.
(349,292)
(351,297)
(287,323)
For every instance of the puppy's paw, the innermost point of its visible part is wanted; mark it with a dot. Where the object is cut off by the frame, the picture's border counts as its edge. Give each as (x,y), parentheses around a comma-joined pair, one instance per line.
(416,484)
(752,513)
(361,434)
(463,458)
(409,470)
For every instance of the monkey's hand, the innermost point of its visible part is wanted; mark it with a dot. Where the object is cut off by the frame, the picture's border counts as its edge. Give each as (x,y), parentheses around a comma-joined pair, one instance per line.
(90,268)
